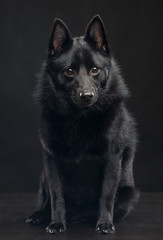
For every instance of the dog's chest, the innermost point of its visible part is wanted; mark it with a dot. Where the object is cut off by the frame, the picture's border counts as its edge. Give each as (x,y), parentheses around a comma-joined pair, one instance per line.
(84,139)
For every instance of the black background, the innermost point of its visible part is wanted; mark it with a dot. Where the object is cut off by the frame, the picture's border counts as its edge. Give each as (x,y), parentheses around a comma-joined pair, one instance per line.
(135,29)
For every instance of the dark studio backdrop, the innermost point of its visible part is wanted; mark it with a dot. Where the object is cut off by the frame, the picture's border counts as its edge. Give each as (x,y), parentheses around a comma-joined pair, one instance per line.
(135,30)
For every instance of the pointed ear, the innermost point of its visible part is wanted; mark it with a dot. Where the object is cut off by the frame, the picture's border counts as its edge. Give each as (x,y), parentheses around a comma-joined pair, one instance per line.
(60,37)
(96,34)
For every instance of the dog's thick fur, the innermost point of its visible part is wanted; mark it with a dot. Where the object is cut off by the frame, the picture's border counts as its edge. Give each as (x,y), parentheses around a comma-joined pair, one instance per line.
(88,137)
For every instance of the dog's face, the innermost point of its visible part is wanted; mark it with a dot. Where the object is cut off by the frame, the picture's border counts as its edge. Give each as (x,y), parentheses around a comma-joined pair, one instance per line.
(79,66)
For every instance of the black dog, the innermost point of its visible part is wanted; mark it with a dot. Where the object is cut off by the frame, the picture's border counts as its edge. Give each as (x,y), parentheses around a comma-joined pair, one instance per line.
(87,135)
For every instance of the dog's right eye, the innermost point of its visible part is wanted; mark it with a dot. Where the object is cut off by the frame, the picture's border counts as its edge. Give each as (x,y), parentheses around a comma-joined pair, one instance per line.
(70,72)
(94,71)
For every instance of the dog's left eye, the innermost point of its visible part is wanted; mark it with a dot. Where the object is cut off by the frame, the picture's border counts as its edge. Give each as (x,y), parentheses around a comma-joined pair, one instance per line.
(70,72)
(94,71)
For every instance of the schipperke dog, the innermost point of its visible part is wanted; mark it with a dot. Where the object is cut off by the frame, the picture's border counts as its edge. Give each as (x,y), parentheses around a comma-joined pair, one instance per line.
(87,135)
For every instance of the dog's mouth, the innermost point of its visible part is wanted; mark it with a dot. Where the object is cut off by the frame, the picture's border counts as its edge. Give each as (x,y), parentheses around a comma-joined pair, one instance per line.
(84,103)
(87,105)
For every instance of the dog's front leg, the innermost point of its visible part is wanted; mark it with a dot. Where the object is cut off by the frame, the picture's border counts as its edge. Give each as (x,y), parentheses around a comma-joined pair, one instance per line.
(58,220)
(109,188)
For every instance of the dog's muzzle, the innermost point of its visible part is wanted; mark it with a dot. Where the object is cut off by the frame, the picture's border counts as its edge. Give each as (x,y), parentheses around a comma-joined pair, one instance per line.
(86,97)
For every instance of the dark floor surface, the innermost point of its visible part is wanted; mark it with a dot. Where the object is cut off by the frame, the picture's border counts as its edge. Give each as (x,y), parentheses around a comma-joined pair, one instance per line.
(145,223)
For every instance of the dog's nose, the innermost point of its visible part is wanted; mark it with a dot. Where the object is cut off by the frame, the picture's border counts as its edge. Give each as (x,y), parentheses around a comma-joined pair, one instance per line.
(86,96)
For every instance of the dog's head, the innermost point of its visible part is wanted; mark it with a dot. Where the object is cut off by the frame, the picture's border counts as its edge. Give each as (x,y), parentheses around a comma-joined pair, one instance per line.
(79,67)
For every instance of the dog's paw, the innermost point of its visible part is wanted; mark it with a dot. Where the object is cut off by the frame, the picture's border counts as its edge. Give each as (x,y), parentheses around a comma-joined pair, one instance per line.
(105,228)
(56,227)
(38,217)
